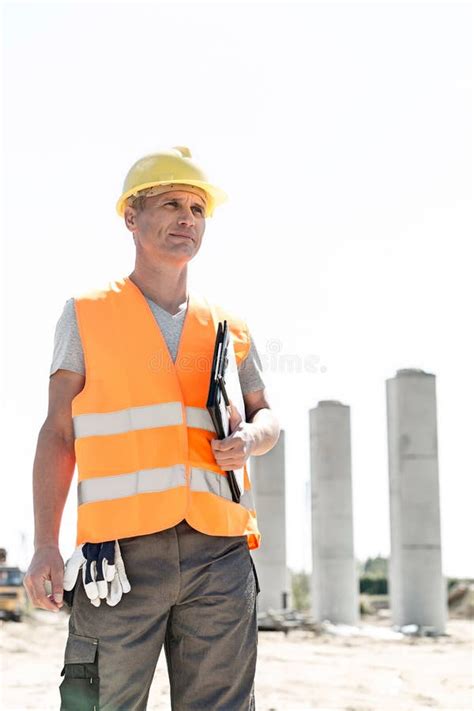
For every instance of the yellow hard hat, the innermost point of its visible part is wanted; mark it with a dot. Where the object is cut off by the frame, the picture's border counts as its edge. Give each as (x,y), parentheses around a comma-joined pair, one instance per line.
(173,167)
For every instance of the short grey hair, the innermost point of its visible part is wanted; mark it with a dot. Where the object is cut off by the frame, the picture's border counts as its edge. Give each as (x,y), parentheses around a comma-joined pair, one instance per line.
(138,201)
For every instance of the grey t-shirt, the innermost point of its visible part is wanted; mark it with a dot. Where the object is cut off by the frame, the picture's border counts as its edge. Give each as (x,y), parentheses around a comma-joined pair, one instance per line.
(68,352)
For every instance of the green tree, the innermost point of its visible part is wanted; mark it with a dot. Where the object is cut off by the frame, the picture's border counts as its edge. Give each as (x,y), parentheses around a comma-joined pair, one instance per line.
(378,566)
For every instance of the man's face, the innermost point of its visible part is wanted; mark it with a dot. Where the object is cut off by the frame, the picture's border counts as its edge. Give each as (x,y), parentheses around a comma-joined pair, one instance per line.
(170,226)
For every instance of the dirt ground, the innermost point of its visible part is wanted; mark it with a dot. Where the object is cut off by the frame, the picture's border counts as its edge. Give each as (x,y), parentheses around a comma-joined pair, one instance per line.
(299,671)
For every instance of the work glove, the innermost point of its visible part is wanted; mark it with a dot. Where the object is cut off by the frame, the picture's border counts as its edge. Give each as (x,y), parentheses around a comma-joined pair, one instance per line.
(102,569)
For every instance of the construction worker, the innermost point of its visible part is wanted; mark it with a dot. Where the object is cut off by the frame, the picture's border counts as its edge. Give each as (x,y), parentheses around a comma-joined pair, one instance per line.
(163,551)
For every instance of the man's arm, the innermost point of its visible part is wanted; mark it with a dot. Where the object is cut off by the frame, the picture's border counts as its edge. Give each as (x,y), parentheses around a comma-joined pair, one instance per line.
(53,470)
(265,426)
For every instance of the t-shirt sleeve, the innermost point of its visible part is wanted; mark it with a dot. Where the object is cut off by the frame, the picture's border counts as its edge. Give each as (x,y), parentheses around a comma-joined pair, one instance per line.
(68,353)
(251,370)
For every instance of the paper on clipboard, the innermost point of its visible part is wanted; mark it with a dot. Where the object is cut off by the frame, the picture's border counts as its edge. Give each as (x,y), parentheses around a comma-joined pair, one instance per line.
(234,392)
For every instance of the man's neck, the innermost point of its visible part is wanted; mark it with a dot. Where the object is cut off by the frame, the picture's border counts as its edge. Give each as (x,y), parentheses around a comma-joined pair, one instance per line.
(166,286)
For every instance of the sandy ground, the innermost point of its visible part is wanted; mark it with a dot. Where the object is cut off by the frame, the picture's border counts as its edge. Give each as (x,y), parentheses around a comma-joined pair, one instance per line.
(300,671)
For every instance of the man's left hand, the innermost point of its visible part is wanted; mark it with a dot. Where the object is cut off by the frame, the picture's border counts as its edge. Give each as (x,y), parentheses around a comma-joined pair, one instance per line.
(233,451)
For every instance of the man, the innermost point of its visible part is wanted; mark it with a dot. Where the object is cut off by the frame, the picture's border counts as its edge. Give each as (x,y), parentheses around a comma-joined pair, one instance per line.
(127,404)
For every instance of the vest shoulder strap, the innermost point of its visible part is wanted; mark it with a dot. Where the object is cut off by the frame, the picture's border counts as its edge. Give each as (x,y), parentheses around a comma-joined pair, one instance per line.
(237,326)
(92,298)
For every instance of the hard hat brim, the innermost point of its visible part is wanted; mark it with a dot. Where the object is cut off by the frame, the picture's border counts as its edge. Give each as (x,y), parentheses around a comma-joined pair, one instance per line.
(216,196)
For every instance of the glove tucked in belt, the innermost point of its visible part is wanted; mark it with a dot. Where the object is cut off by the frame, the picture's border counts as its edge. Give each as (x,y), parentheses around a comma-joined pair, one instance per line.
(103,572)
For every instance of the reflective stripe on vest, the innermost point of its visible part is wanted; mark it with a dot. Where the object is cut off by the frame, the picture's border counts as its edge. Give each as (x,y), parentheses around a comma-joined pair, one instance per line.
(105,488)
(209,481)
(119,486)
(139,418)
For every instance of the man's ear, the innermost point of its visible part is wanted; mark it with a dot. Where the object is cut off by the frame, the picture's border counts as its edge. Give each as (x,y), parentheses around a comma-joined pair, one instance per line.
(130,217)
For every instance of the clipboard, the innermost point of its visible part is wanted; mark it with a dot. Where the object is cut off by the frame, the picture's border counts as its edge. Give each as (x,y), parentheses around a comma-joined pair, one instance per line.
(218,399)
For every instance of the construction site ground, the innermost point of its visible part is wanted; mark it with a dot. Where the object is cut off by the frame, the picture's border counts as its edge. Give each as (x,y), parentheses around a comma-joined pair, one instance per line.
(298,671)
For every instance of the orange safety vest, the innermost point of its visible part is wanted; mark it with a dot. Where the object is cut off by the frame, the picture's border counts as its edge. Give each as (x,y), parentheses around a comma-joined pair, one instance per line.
(142,429)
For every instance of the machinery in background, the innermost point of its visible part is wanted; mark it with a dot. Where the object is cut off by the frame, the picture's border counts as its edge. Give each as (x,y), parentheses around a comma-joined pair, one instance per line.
(13,603)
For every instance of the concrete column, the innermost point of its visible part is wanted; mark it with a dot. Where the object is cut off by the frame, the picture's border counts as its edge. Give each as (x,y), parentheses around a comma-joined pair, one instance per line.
(418,593)
(268,482)
(306,527)
(335,593)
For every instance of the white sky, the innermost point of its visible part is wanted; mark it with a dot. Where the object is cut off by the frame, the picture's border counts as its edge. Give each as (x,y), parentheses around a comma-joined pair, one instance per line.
(343,135)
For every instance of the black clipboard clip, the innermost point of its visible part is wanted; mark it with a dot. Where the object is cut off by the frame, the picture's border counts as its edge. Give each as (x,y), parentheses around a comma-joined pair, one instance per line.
(218,400)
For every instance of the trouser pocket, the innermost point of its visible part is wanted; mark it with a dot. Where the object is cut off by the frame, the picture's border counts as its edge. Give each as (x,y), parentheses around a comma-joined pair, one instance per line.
(79,689)
(255,574)
(68,597)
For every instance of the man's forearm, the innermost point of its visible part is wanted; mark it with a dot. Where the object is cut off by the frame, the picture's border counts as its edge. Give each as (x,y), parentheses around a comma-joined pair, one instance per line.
(53,470)
(265,431)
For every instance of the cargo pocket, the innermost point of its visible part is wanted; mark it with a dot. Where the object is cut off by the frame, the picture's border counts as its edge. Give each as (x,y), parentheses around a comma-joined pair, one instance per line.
(255,574)
(80,687)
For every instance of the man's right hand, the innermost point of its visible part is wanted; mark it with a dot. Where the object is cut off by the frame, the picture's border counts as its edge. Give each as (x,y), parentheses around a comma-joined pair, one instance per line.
(53,470)
(46,564)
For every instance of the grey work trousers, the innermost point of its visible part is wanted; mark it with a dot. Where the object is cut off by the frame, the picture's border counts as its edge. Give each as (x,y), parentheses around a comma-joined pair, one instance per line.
(192,592)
